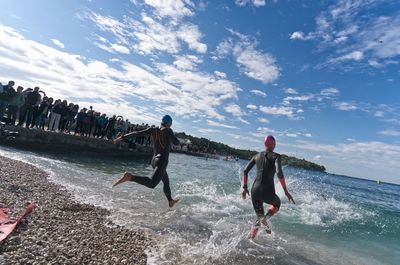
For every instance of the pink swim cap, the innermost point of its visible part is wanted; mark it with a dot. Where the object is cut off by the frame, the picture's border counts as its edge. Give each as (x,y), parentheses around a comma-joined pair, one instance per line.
(269,141)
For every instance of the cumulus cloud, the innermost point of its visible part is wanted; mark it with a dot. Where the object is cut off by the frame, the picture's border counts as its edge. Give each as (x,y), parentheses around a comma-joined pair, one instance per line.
(263,120)
(291,91)
(256,3)
(390,133)
(341,158)
(288,100)
(220,74)
(278,111)
(150,35)
(58,43)
(258,93)
(219,124)
(187,62)
(297,35)
(175,9)
(234,109)
(251,62)
(351,36)
(345,106)
(252,107)
(71,76)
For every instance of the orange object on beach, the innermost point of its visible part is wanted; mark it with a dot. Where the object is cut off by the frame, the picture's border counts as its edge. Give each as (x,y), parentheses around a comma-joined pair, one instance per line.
(7,225)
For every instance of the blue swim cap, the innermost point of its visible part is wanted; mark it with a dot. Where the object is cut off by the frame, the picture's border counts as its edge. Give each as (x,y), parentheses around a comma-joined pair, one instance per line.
(167,120)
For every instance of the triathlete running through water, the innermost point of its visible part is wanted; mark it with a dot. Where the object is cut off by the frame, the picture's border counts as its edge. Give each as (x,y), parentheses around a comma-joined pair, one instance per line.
(263,190)
(163,137)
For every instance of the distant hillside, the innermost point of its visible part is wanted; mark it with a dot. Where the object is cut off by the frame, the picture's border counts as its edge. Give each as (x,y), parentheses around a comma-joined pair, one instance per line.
(208,146)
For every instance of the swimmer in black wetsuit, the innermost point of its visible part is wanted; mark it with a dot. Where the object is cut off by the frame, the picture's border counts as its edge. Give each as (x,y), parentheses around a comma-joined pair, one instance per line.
(163,137)
(263,190)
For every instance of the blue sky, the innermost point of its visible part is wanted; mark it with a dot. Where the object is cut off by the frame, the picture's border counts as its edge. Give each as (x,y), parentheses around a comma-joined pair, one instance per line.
(322,76)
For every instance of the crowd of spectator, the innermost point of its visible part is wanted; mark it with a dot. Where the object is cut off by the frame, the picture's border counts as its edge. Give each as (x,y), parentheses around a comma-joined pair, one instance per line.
(33,109)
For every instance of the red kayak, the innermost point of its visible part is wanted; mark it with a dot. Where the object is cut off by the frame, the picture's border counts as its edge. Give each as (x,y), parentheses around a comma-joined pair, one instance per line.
(7,225)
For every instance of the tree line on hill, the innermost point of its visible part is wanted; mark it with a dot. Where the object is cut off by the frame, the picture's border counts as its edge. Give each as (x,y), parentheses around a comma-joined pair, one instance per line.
(225,150)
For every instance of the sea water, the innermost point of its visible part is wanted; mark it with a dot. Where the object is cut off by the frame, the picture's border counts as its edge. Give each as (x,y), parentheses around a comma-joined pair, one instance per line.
(336,219)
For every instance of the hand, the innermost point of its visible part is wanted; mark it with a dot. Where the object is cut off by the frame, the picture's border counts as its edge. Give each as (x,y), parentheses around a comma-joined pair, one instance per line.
(290,198)
(244,192)
(117,140)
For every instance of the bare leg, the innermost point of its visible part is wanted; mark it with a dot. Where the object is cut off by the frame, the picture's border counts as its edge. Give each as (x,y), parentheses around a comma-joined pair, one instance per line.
(126,177)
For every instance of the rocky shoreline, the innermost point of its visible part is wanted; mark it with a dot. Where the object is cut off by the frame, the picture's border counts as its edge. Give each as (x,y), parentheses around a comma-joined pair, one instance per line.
(61,230)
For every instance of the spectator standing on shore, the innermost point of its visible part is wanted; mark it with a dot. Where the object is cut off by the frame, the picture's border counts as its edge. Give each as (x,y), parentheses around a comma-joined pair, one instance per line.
(65,112)
(110,129)
(6,93)
(55,116)
(101,124)
(72,115)
(44,108)
(32,99)
(80,121)
(15,104)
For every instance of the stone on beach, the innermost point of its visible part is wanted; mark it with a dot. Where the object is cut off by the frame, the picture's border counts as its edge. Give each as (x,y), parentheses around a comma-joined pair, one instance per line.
(61,230)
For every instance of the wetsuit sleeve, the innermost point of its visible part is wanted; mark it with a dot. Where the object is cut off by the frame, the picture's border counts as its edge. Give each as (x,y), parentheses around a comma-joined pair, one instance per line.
(278,167)
(249,166)
(139,133)
(174,139)
(246,171)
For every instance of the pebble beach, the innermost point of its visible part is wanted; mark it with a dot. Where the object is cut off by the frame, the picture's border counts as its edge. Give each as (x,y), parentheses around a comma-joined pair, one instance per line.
(61,230)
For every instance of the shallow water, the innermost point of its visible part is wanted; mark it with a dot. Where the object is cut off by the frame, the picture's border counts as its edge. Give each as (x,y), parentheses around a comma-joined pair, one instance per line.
(358,222)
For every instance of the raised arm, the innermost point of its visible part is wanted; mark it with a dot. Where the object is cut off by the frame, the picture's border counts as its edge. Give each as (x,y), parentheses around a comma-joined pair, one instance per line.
(174,139)
(136,133)
(281,178)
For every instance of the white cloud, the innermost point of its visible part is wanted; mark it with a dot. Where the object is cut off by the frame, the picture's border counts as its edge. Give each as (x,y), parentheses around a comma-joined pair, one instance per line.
(70,76)
(379,114)
(291,91)
(287,100)
(297,35)
(263,120)
(175,9)
(149,35)
(330,92)
(251,62)
(258,93)
(191,35)
(188,62)
(218,124)
(356,158)
(220,74)
(350,35)
(252,107)
(58,43)
(256,3)
(390,133)
(278,111)
(355,56)
(234,109)
(346,106)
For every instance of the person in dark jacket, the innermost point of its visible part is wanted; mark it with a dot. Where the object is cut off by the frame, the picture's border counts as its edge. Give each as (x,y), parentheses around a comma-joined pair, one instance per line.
(55,115)
(80,121)
(163,138)
(32,99)
(6,94)
(15,104)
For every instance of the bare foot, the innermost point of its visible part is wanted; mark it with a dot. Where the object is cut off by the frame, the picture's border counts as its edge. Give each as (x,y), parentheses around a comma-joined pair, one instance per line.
(172,203)
(126,177)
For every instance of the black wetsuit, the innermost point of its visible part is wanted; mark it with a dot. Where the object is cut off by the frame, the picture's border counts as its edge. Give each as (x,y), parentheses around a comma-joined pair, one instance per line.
(162,139)
(263,189)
